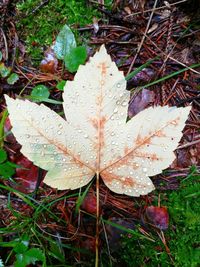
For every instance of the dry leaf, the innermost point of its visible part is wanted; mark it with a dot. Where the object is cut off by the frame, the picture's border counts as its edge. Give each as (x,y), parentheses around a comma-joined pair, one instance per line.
(95,137)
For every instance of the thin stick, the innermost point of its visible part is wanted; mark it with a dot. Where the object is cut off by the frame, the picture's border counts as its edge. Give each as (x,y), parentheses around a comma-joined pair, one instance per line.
(143,37)
(97,221)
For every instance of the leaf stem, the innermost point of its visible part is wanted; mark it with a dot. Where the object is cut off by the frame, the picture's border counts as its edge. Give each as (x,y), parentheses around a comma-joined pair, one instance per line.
(97,221)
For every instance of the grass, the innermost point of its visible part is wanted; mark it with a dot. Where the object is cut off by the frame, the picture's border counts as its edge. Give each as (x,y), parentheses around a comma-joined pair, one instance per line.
(44,228)
(182,237)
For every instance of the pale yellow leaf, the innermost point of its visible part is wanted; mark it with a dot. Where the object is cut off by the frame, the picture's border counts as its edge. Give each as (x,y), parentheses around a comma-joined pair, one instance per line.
(95,137)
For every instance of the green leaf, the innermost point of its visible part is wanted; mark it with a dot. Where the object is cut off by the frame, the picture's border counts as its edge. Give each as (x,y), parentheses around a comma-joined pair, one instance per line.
(29,257)
(76,57)
(13,78)
(3,155)
(60,85)
(42,99)
(40,91)
(6,170)
(65,41)
(21,247)
(1,55)
(4,71)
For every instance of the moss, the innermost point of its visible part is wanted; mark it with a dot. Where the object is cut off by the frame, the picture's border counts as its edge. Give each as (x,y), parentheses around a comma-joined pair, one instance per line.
(38,25)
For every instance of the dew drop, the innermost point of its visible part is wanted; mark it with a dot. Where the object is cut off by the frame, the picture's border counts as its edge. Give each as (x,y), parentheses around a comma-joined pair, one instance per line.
(44,146)
(112,134)
(65,170)
(60,126)
(113,143)
(118,102)
(112,117)
(59,132)
(131,173)
(86,136)
(28,136)
(144,169)
(118,85)
(64,160)
(18,105)
(124,103)
(115,110)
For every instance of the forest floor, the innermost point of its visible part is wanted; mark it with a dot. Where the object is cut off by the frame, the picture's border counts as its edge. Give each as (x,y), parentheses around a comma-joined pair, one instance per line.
(42,226)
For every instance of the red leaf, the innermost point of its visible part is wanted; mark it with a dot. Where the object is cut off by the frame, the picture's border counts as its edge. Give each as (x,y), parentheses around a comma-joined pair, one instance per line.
(158,216)
(26,176)
(90,204)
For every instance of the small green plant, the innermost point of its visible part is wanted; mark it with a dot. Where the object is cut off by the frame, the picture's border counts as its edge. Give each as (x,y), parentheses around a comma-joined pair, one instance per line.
(7,168)
(5,72)
(183,235)
(23,254)
(41,23)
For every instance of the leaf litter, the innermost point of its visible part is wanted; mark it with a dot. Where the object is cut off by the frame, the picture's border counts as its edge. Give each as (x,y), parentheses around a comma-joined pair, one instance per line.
(176,91)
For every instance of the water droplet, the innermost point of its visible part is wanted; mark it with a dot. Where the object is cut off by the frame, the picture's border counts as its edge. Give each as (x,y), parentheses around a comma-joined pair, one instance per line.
(115,110)
(43,118)
(60,126)
(87,161)
(44,146)
(86,136)
(79,131)
(28,136)
(131,173)
(123,179)
(64,160)
(65,170)
(112,134)
(59,132)
(144,169)
(112,117)
(113,143)
(118,102)
(124,103)
(37,140)
(118,85)
(18,105)
(110,95)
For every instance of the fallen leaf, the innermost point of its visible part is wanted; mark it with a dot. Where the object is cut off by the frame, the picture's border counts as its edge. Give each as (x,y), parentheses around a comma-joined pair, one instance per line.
(95,137)
(26,176)
(140,102)
(90,204)
(158,216)
(50,63)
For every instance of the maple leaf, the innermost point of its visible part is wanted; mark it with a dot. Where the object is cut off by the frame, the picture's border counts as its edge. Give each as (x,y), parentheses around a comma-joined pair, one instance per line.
(95,137)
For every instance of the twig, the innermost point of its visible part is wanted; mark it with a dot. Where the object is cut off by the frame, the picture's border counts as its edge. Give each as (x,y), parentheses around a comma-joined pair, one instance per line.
(177,61)
(143,37)
(157,8)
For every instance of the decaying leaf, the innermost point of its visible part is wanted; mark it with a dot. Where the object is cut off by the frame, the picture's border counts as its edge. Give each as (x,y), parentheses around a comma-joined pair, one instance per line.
(95,137)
